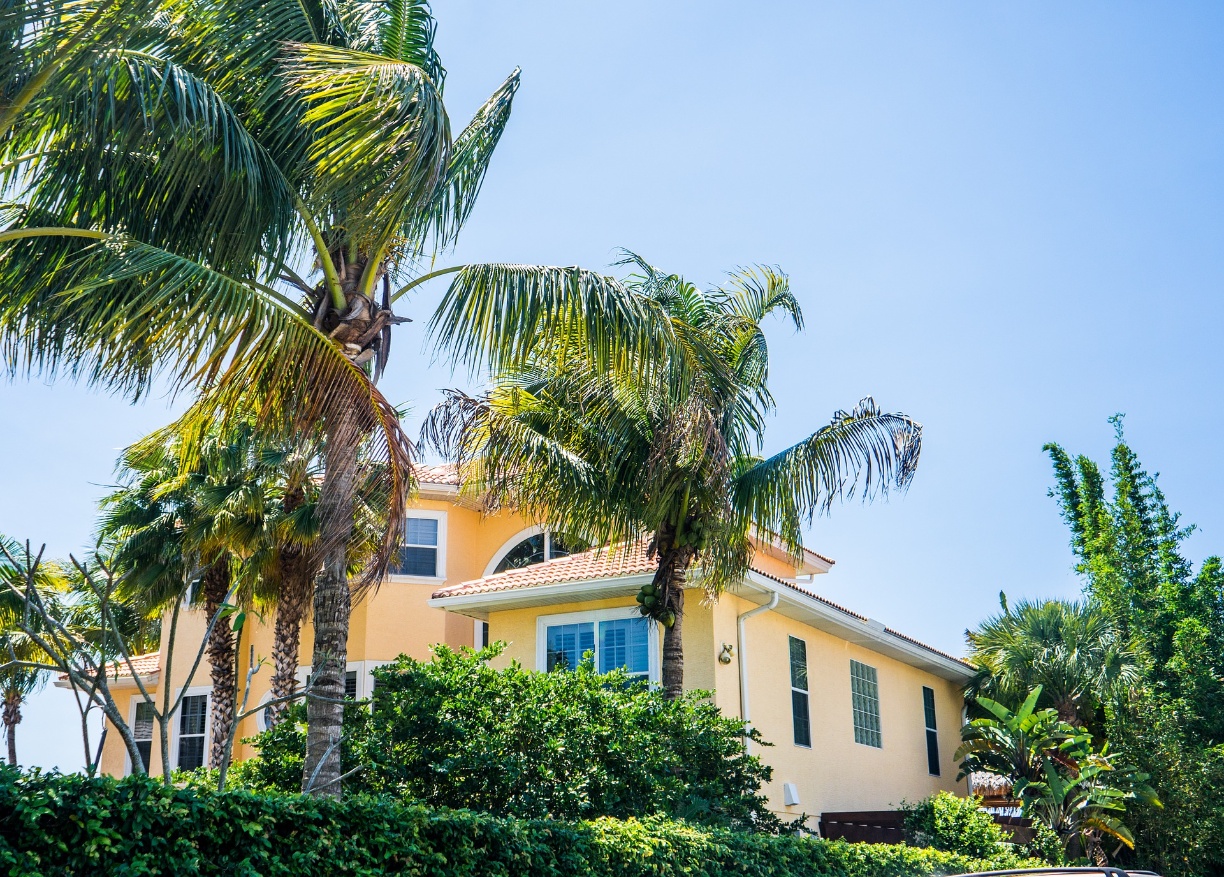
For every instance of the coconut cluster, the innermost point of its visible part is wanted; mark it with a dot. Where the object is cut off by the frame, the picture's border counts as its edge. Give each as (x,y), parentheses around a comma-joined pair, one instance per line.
(651,603)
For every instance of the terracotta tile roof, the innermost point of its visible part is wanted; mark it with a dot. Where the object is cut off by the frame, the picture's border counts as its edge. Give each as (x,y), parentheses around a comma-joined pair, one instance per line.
(594,564)
(145,666)
(443,473)
(627,561)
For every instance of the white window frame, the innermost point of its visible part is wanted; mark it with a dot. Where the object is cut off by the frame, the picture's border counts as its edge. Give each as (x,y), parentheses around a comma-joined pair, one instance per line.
(133,703)
(440,572)
(653,646)
(477,630)
(365,683)
(176,719)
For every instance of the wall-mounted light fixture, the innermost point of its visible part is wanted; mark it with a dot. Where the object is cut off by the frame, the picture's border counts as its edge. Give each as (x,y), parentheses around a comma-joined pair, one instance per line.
(728,651)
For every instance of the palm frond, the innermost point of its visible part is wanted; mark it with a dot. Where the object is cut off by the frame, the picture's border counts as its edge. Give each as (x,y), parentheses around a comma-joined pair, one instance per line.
(503,315)
(864,450)
(381,139)
(469,161)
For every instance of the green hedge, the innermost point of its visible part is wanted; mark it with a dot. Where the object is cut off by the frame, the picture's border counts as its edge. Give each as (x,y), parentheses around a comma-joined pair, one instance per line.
(69,825)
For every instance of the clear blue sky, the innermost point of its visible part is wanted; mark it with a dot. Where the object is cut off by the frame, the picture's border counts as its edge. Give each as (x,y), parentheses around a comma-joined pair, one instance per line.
(1002,219)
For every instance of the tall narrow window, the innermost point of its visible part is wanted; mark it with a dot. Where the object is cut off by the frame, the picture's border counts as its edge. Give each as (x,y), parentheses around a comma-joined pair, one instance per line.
(932,738)
(800,709)
(350,685)
(865,704)
(418,554)
(142,730)
(193,721)
(482,634)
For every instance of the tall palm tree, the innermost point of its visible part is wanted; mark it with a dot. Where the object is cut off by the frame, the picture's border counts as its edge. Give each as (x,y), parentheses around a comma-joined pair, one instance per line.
(672,448)
(1070,648)
(178,185)
(166,529)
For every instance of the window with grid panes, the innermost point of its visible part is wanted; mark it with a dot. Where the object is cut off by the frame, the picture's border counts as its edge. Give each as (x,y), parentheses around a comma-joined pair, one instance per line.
(616,643)
(800,707)
(193,723)
(865,704)
(932,737)
(350,685)
(418,553)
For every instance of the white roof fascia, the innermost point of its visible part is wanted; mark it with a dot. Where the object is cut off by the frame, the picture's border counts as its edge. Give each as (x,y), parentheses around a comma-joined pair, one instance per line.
(869,634)
(479,605)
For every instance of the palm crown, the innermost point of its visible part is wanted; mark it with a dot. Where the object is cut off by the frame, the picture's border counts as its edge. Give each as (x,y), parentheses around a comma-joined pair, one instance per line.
(671,448)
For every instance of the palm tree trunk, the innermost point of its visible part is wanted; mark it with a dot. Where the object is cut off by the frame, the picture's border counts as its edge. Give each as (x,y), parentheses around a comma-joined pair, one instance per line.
(295,585)
(669,581)
(12,717)
(332,608)
(220,659)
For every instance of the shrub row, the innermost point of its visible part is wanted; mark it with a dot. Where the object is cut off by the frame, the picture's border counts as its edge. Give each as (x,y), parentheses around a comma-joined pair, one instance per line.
(69,824)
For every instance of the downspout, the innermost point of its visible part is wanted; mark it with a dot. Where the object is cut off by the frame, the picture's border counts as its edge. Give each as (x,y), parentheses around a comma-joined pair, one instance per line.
(745,715)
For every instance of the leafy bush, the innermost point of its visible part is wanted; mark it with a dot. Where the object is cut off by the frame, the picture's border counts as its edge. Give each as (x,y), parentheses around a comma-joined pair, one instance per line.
(454,732)
(958,825)
(73,825)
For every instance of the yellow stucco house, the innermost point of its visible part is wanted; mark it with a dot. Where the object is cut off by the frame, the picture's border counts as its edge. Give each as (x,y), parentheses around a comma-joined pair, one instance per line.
(860,716)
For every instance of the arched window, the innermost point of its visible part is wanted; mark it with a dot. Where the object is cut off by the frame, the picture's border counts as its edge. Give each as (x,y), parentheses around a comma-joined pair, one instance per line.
(539,548)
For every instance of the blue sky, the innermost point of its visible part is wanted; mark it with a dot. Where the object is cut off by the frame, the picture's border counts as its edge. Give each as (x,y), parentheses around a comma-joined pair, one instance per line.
(1003,220)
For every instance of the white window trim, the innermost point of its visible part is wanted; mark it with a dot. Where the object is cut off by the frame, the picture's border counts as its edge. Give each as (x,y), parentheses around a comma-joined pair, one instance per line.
(135,701)
(510,545)
(176,719)
(365,681)
(440,576)
(477,630)
(653,646)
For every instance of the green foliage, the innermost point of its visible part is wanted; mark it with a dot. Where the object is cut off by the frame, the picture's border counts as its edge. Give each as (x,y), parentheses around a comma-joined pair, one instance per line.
(958,825)
(1128,546)
(1018,744)
(454,732)
(52,825)
(1078,792)
(1070,649)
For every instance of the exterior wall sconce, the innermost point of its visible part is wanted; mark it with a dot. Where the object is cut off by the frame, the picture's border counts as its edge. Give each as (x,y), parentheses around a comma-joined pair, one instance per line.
(728,650)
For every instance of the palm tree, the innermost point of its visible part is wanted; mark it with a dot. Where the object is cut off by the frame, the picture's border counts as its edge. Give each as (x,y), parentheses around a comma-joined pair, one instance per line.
(176,185)
(671,448)
(1070,649)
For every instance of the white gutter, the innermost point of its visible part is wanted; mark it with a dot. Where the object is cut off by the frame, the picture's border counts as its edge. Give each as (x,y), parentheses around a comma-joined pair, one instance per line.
(745,715)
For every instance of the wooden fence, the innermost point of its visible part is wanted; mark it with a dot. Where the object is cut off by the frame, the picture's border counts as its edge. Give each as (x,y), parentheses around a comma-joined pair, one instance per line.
(887,826)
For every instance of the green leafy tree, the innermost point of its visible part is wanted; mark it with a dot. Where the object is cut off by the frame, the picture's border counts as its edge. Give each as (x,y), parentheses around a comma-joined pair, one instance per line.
(454,732)
(1069,649)
(671,448)
(1128,547)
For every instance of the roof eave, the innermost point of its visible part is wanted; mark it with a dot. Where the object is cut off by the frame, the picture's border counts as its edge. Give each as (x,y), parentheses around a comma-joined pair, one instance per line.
(480,604)
(865,632)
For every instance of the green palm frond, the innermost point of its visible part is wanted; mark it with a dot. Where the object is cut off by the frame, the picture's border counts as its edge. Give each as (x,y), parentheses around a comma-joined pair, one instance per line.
(381,138)
(503,315)
(470,156)
(134,143)
(864,450)
(399,29)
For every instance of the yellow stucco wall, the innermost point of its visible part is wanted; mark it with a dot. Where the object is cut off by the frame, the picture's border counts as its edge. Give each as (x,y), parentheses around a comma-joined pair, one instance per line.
(394,620)
(836,773)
